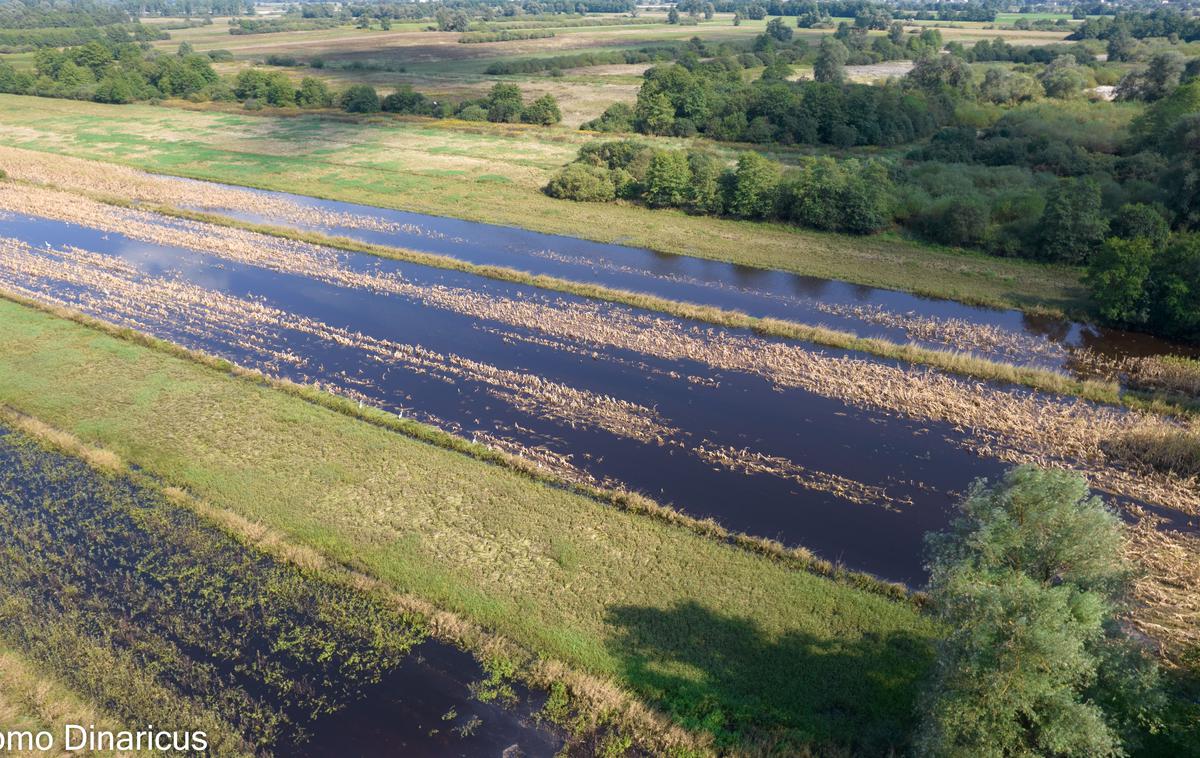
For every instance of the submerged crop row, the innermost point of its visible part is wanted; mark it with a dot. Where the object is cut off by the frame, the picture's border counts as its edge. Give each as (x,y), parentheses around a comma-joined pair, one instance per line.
(1016,425)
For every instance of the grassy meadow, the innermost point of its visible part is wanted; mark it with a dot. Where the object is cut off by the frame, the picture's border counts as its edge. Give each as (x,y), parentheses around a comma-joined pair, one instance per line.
(494,174)
(729,643)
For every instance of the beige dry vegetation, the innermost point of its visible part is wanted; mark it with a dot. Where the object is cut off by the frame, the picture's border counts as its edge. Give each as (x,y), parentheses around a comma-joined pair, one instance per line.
(32,699)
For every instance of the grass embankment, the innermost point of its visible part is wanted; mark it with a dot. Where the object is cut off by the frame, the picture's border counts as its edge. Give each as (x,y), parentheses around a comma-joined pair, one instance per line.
(728,642)
(453,169)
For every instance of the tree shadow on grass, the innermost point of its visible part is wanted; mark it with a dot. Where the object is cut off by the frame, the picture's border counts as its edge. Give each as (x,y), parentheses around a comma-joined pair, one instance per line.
(726,676)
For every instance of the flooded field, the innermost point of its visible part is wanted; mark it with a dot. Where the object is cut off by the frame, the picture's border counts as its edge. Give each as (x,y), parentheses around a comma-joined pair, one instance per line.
(148,609)
(853,458)
(1006,335)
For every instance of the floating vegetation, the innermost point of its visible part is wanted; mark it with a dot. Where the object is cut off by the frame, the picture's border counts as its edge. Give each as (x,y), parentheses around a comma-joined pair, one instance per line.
(751,462)
(163,619)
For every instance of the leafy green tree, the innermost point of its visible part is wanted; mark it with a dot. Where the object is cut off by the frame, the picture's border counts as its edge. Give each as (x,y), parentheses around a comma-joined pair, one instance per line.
(451,20)
(654,113)
(1156,126)
(1073,224)
(1121,44)
(673,16)
(667,180)
(753,192)
(1140,221)
(704,194)
(935,74)
(1063,78)
(1027,582)
(778,30)
(830,63)
(405,100)
(895,33)
(1009,87)
(1117,277)
(121,87)
(313,93)
(505,104)
(360,98)
(1174,289)
(543,110)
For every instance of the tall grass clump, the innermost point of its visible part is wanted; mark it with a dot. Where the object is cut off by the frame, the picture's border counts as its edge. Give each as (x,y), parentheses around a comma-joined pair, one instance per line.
(1165,373)
(1169,449)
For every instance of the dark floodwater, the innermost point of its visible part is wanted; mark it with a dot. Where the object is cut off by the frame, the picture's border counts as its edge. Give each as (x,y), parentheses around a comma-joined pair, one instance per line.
(422,707)
(1009,335)
(916,468)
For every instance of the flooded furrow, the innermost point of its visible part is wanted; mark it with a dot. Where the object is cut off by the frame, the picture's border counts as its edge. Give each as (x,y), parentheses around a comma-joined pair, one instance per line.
(102,582)
(852,458)
(1005,335)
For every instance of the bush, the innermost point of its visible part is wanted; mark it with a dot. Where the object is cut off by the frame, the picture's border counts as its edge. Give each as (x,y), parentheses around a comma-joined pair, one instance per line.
(582,182)
(313,93)
(360,98)
(406,100)
(473,113)
(617,117)
(544,110)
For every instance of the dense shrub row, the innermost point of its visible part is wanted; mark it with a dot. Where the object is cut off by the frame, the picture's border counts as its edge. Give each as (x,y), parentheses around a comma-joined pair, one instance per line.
(507,35)
(275,25)
(112,73)
(821,193)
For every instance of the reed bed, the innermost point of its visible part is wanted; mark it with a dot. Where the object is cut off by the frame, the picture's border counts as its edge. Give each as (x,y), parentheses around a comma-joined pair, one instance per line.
(1167,590)
(1171,449)
(1173,374)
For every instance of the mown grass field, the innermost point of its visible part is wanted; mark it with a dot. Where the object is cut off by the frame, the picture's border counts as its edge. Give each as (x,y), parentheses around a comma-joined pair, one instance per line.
(494,174)
(728,642)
